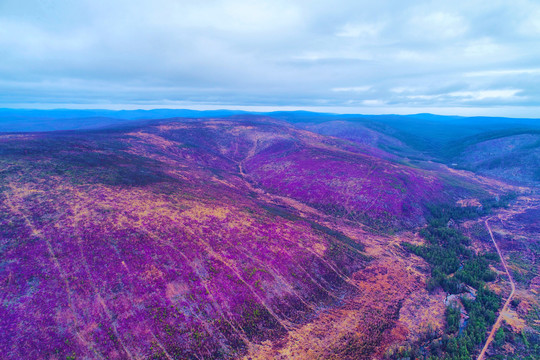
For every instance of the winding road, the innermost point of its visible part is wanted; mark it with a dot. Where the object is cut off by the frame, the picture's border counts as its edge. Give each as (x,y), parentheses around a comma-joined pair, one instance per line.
(500,318)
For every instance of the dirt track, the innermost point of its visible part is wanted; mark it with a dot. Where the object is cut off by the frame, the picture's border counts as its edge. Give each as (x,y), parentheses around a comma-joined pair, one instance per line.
(500,318)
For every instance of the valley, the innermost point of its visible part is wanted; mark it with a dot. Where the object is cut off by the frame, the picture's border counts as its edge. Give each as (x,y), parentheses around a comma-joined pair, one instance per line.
(264,237)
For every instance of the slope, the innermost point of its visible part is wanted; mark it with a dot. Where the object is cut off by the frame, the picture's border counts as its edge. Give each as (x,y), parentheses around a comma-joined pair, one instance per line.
(200,239)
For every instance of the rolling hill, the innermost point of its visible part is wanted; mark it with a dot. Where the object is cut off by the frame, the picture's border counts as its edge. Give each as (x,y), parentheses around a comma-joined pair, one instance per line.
(216,238)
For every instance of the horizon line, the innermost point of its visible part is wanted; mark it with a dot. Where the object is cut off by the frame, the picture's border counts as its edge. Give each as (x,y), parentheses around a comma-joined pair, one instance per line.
(520,112)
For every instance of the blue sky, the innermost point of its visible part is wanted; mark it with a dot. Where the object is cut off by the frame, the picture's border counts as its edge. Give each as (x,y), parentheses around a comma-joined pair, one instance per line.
(450,57)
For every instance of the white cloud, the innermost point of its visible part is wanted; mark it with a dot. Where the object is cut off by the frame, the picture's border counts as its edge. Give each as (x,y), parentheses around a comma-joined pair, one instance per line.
(360,30)
(352,89)
(466,96)
(423,97)
(530,26)
(438,25)
(334,55)
(403,89)
(373,102)
(412,55)
(504,94)
(506,72)
(262,52)
(486,48)
(242,16)
(32,40)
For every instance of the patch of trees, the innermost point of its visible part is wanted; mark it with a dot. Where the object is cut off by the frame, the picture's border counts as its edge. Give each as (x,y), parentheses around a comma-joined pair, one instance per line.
(453,266)
(475,272)
(482,315)
(453,316)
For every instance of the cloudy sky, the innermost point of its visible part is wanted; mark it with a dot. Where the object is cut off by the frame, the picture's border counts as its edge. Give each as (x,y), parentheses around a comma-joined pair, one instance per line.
(395,56)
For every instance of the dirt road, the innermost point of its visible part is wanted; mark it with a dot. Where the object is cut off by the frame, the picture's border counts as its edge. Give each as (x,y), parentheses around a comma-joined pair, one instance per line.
(500,318)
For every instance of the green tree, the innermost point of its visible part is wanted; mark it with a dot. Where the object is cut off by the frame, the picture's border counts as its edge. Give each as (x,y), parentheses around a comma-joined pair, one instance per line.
(499,337)
(452,346)
(453,316)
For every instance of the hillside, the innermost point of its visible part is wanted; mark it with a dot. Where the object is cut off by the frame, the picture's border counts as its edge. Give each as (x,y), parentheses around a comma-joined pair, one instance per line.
(512,156)
(502,148)
(210,238)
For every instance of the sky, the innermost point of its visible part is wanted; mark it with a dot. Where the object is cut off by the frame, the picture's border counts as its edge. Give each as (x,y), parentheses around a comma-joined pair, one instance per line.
(353,56)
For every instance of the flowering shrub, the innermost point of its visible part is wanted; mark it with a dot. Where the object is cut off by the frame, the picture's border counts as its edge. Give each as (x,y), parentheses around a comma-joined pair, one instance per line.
(153,242)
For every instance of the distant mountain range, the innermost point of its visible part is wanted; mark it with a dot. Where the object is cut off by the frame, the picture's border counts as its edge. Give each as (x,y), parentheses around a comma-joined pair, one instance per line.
(463,142)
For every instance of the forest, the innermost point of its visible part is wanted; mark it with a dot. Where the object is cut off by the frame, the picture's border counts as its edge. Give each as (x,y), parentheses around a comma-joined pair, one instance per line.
(458,270)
